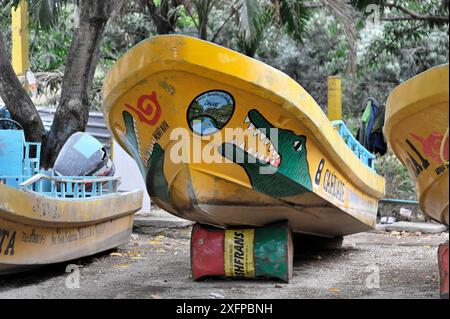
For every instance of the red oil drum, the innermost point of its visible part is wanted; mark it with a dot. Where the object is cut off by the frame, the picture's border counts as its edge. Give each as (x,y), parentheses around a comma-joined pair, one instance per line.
(253,252)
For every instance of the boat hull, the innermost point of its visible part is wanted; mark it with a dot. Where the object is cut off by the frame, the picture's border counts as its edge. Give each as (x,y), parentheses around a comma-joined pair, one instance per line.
(416,124)
(216,167)
(59,230)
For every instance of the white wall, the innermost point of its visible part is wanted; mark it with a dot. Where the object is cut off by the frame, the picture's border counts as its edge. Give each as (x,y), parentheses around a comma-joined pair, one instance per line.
(128,171)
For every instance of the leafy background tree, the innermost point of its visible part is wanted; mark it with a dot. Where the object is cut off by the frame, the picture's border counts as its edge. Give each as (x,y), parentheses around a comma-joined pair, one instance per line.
(373,44)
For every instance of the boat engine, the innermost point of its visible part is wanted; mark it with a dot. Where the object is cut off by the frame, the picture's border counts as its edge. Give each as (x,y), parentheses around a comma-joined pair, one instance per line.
(83,155)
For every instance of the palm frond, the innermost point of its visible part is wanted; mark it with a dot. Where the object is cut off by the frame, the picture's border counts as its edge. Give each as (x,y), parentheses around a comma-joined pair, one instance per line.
(294,16)
(249,14)
(249,43)
(46,12)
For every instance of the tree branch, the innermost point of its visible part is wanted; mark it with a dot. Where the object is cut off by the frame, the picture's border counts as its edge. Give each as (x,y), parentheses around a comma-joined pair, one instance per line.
(412,15)
(233,11)
(17,100)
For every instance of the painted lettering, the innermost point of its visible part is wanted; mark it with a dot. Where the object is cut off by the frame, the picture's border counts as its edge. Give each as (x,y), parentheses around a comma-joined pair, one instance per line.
(333,185)
(7,241)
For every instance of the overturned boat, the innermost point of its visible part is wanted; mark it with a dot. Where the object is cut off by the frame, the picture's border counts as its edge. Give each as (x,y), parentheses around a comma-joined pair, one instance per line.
(223,139)
(47,219)
(416,127)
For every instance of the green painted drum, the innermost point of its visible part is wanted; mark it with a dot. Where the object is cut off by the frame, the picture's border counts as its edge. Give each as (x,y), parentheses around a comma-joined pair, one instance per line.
(254,252)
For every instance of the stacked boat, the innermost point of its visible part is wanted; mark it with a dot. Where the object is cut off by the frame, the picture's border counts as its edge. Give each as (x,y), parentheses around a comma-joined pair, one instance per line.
(46,218)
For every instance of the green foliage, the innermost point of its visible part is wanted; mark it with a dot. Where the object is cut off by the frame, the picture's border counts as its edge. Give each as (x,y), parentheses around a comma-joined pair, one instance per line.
(45,13)
(5,23)
(249,38)
(48,50)
(398,182)
(294,16)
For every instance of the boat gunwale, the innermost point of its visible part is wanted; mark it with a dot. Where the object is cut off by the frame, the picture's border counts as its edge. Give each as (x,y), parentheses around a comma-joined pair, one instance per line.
(33,218)
(397,109)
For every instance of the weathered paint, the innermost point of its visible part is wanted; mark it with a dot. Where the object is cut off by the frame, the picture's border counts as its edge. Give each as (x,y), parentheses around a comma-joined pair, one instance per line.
(24,246)
(443,269)
(37,210)
(207,247)
(39,230)
(262,252)
(323,189)
(415,126)
(274,252)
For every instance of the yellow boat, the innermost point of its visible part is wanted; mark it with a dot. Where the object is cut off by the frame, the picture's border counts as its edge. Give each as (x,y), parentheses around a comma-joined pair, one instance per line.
(416,127)
(223,139)
(37,230)
(48,219)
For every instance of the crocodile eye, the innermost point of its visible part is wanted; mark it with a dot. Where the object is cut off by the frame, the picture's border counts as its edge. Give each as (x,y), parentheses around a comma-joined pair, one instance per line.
(298,146)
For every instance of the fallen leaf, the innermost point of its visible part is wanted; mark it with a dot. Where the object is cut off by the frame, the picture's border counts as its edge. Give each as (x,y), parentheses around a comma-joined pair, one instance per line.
(154,242)
(116,254)
(160,250)
(334,289)
(160,237)
(155,296)
(139,258)
(122,266)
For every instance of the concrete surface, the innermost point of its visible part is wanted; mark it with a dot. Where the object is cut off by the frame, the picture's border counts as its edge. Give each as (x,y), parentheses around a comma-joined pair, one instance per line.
(412,227)
(156,219)
(159,267)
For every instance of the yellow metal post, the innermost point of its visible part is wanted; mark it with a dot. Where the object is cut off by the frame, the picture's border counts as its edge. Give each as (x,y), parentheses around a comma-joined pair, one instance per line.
(334,98)
(20,45)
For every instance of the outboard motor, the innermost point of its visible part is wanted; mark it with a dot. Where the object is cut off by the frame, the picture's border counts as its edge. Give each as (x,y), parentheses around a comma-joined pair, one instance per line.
(83,155)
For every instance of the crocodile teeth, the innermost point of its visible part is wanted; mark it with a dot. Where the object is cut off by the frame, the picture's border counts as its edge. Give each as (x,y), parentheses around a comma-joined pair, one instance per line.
(256,132)
(276,162)
(247,120)
(242,146)
(262,157)
(250,150)
(255,155)
(262,137)
(250,127)
(267,141)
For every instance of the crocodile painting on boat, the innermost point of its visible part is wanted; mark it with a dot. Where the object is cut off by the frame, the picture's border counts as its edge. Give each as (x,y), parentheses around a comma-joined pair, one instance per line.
(287,177)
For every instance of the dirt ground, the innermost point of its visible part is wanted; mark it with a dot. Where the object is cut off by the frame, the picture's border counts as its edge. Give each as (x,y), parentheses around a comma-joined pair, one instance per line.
(369,265)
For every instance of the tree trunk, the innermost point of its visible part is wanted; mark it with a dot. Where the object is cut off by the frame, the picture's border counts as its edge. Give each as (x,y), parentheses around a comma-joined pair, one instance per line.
(163,19)
(17,100)
(73,110)
(203,21)
(203,8)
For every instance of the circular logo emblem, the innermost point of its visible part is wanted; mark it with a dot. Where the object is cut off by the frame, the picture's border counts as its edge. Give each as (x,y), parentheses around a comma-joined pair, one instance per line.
(209,112)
